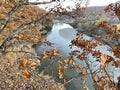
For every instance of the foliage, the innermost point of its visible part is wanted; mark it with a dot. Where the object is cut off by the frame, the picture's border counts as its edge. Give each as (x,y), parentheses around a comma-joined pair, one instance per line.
(113,9)
(19,30)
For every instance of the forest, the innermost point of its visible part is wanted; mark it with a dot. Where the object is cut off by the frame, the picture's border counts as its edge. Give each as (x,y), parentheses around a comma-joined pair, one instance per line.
(29,60)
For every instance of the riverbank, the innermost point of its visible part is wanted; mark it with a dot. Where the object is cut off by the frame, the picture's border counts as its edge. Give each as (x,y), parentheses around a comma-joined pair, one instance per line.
(19,60)
(101,34)
(13,77)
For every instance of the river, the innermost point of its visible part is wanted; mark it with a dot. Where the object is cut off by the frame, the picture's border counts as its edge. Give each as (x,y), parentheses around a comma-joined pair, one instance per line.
(61,36)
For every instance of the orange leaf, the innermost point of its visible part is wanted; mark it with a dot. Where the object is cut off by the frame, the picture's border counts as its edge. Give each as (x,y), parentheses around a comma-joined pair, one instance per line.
(31,63)
(22,63)
(26,74)
(26,63)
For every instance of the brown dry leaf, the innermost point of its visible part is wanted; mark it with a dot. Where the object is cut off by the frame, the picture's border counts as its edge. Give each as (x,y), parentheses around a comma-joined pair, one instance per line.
(60,73)
(2,15)
(85,87)
(116,51)
(11,5)
(67,61)
(26,63)
(100,87)
(103,59)
(78,67)
(65,81)
(31,63)
(22,63)
(60,70)
(93,75)
(45,55)
(84,77)
(56,52)
(26,74)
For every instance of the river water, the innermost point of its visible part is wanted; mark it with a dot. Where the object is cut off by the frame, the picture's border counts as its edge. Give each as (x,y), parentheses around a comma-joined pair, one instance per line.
(61,36)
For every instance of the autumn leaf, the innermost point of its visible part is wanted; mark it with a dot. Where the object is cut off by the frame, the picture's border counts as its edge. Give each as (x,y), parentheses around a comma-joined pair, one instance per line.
(68,61)
(45,55)
(93,75)
(26,74)
(2,15)
(116,51)
(65,81)
(26,63)
(85,87)
(83,76)
(22,63)
(103,59)
(78,67)
(56,52)
(31,63)
(60,70)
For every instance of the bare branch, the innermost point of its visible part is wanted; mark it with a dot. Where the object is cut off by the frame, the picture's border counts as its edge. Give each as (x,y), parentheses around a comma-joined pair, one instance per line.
(37,3)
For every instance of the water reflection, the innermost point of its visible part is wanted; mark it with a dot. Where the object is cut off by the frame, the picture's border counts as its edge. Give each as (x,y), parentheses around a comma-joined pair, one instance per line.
(60,36)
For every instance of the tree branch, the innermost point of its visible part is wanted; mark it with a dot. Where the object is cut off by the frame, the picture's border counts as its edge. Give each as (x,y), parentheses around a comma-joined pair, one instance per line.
(4,21)
(23,26)
(37,3)
(18,29)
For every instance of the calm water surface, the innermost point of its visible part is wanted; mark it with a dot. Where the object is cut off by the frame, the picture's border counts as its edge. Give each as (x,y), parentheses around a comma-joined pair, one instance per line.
(61,36)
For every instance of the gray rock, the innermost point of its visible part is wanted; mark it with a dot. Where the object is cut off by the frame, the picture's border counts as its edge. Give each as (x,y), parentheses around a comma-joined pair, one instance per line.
(44,32)
(100,31)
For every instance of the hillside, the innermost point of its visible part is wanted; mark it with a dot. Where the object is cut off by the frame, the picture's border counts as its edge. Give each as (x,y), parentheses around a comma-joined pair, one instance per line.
(19,60)
(97,10)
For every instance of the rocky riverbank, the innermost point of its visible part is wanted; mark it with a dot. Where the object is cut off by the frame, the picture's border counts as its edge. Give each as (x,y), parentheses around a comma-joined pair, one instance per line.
(89,27)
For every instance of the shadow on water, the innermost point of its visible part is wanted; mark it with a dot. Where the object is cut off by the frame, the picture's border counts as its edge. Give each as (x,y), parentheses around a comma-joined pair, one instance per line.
(61,36)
